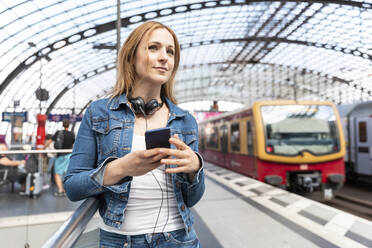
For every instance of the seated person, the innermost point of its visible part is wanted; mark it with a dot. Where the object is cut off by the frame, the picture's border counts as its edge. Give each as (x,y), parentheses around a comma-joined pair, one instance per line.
(14,174)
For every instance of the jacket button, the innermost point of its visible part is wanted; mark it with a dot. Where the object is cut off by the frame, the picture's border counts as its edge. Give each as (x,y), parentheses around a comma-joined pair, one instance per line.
(183,207)
(178,185)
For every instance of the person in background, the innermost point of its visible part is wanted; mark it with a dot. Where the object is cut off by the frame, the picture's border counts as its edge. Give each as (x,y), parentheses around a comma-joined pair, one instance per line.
(62,159)
(49,145)
(16,167)
(145,195)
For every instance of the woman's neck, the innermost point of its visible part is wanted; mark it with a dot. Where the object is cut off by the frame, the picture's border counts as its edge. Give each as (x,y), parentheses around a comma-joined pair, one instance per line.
(147,93)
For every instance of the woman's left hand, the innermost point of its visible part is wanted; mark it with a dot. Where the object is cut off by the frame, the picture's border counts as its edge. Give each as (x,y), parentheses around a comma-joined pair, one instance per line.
(183,157)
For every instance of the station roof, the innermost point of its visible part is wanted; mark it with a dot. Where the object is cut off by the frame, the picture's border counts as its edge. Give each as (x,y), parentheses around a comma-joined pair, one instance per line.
(237,51)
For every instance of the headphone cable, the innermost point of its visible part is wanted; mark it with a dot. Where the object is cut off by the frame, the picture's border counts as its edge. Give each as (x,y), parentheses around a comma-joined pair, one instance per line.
(161,206)
(166,188)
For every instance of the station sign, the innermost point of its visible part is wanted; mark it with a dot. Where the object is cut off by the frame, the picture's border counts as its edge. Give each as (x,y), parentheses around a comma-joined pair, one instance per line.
(58,118)
(7,116)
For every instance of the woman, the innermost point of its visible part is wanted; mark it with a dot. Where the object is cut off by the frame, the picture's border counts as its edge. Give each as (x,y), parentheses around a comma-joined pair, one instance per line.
(145,194)
(16,170)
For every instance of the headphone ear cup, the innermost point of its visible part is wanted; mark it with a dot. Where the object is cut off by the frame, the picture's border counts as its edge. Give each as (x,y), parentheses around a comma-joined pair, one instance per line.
(138,105)
(151,106)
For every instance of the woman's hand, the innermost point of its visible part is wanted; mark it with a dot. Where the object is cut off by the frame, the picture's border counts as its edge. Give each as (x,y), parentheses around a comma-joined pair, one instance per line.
(184,158)
(136,163)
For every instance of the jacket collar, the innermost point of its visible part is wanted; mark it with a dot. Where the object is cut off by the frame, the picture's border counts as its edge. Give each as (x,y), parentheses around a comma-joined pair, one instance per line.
(174,110)
(117,101)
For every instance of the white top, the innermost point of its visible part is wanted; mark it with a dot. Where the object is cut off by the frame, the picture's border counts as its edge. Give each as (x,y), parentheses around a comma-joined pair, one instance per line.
(145,201)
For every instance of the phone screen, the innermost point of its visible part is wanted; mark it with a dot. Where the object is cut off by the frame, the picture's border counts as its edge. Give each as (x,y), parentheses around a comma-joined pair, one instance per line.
(157,138)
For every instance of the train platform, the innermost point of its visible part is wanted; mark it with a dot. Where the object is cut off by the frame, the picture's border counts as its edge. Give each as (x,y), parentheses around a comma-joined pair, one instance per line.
(236,211)
(260,215)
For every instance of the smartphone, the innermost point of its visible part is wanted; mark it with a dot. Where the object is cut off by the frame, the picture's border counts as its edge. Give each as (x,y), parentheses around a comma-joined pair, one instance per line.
(157,138)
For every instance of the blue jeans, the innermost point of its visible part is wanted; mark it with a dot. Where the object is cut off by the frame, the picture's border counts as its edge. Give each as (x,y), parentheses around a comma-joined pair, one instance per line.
(174,239)
(51,163)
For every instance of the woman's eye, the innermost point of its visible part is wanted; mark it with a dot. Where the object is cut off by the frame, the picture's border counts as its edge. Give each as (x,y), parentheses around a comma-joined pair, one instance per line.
(171,52)
(153,47)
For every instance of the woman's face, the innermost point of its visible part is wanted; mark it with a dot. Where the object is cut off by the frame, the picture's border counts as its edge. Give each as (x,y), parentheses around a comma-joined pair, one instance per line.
(154,59)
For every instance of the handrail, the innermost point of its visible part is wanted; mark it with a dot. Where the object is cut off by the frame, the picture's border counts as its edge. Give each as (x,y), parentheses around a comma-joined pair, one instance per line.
(36,151)
(70,231)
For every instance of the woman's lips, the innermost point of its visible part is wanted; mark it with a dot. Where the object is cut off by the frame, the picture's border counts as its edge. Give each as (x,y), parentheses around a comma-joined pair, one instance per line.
(162,69)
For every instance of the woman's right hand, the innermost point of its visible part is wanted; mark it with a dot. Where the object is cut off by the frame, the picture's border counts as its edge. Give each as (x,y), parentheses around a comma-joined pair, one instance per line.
(136,163)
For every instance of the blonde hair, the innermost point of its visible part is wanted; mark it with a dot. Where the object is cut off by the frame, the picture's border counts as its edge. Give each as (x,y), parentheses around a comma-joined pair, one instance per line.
(125,62)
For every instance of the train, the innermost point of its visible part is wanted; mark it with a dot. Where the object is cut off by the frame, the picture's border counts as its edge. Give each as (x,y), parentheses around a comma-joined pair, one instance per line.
(356,121)
(296,145)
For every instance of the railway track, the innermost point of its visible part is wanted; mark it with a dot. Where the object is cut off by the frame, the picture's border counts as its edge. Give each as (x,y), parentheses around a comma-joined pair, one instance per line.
(353,203)
(352,198)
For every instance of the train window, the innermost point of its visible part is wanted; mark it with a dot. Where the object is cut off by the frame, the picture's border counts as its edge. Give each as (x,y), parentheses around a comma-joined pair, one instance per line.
(291,129)
(212,137)
(202,138)
(235,137)
(362,131)
(249,138)
(223,138)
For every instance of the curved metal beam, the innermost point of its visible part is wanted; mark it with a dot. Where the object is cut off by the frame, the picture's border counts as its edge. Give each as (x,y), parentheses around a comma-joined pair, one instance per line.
(344,50)
(322,77)
(84,77)
(141,18)
(309,71)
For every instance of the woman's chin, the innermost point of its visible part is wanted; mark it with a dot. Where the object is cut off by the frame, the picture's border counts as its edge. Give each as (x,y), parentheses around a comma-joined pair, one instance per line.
(159,80)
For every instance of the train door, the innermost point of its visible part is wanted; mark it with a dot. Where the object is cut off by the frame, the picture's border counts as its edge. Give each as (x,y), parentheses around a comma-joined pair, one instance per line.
(224,142)
(250,150)
(363,145)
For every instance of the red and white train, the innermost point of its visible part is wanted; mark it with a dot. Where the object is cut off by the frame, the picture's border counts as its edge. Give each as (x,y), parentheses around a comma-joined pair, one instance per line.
(295,145)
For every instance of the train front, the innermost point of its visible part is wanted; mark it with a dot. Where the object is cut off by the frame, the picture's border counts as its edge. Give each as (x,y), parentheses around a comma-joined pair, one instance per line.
(300,146)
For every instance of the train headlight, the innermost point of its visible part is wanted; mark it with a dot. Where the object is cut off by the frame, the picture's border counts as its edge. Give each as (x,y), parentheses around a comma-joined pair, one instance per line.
(269,149)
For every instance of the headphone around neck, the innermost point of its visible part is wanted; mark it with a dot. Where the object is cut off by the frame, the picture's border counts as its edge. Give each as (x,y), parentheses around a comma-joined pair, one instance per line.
(140,107)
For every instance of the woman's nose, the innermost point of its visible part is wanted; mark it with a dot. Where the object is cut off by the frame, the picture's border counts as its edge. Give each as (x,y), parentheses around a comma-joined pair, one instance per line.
(162,55)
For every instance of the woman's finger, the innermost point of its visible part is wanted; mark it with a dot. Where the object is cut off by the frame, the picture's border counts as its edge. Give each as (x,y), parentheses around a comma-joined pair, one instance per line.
(175,170)
(173,152)
(151,152)
(178,162)
(158,157)
(178,143)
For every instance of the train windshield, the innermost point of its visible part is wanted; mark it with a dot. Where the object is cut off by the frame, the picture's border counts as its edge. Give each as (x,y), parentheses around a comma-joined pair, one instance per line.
(292,129)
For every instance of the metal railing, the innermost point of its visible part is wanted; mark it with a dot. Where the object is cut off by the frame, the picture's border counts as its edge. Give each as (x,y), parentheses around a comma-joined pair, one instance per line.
(68,234)
(35,151)
(39,152)
(70,231)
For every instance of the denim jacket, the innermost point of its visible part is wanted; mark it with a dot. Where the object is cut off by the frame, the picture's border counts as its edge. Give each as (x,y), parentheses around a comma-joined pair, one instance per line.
(105,134)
